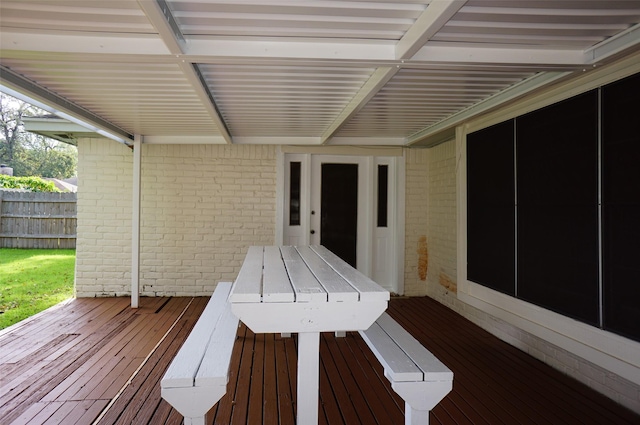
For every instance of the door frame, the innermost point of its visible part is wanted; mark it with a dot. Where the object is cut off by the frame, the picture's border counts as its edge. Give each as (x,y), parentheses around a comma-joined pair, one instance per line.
(396,204)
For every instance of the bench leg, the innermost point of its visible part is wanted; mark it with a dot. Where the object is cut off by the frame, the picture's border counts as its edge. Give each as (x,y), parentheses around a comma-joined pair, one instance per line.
(308,377)
(415,417)
(423,395)
(194,402)
(194,421)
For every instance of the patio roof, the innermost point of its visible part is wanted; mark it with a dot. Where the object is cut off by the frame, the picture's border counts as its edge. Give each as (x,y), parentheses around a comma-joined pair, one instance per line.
(96,361)
(401,72)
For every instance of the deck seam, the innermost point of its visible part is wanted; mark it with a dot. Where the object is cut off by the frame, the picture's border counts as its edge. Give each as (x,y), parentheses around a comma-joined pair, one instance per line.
(144,362)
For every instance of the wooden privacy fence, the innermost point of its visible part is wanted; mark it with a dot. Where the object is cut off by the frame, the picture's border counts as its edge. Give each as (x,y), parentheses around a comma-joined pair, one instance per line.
(37,219)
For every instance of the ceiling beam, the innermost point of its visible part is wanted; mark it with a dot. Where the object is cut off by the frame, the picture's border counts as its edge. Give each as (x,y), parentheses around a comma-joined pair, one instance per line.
(161,18)
(293,49)
(500,56)
(70,43)
(307,54)
(623,41)
(15,45)
(18,86)
(184,140)
(426,25)
(378,79)
(169,48)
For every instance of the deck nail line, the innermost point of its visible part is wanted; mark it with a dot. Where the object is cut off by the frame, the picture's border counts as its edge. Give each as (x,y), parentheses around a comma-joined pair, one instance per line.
(144,362)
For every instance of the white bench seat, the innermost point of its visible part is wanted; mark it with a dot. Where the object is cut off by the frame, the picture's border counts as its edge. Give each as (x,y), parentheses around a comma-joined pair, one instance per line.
(414,372)
(198,375)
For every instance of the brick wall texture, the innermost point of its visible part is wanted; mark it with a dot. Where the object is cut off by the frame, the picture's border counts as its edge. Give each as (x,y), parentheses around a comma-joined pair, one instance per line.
(416,221)
(201,206)
(103,247)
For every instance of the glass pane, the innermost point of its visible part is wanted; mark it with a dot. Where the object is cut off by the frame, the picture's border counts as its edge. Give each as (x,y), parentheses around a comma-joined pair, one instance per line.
(294,194)
(621,207)
(491,221)
(383,191)
(557,224)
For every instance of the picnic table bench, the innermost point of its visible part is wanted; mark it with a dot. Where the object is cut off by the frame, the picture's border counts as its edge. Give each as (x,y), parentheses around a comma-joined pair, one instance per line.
(414,372)
(198,375)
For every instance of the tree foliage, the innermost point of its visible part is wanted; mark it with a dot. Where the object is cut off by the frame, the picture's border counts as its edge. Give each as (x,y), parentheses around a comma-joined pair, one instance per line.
(33,184)
(31,154)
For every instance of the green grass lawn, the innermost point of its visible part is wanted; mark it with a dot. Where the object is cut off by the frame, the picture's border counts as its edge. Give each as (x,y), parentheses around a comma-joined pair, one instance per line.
(32,280)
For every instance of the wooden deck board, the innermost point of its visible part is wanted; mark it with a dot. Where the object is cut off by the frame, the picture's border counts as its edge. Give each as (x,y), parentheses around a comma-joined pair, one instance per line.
(98,359)
(378,392)
(284,385)
(270,383)
(257,395)
(517,387)
(141,397)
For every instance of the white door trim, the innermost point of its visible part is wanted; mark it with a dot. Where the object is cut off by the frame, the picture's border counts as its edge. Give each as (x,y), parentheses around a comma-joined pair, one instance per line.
(365,247)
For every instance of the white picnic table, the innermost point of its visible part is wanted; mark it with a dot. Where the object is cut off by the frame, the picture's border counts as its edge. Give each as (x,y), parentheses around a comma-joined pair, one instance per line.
(304,290)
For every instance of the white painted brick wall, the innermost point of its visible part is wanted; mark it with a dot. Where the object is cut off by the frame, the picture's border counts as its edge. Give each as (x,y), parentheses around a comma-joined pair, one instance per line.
(213,201)
(201,206)
(103,247)
(416,220)
(442,220)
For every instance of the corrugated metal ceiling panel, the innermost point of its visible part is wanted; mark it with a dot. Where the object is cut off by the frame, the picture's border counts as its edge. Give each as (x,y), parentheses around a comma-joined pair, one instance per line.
(300,19)
(318,69)
(150,99)
(72,15)
(552,24)
(417,98)
(275,100)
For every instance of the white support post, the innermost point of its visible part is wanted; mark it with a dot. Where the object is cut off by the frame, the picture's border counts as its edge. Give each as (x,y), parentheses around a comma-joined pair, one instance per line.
(308,377)
(415,417)
(135,222)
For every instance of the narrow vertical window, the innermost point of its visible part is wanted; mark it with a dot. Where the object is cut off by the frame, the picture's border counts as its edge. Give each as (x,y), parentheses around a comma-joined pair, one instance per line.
(383,193)
(294,194)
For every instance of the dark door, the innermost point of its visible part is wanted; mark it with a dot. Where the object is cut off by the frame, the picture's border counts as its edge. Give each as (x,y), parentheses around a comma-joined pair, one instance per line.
(339,210)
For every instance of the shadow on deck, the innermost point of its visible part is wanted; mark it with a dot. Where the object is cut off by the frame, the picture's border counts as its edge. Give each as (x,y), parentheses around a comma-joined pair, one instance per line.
(96,361)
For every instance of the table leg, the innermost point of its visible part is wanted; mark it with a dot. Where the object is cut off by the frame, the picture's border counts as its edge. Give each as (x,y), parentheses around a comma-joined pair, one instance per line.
(308,377)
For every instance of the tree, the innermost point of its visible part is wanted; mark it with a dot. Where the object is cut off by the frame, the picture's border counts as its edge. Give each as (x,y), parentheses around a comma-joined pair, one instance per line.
(44,157)
(31,154)
(11,113)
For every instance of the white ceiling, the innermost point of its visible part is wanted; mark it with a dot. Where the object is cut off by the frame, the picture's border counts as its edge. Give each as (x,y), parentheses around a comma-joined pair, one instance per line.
(313,72)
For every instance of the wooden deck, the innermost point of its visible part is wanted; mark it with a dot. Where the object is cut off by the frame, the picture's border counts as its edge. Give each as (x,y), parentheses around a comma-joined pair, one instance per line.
(96,361)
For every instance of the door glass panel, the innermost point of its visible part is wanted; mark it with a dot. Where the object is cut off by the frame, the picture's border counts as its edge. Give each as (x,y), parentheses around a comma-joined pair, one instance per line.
(294,194)
(383,179)
(339,209)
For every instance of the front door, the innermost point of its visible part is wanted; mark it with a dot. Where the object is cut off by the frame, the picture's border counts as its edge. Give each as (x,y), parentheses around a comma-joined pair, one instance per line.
(334,214)
(349,204)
